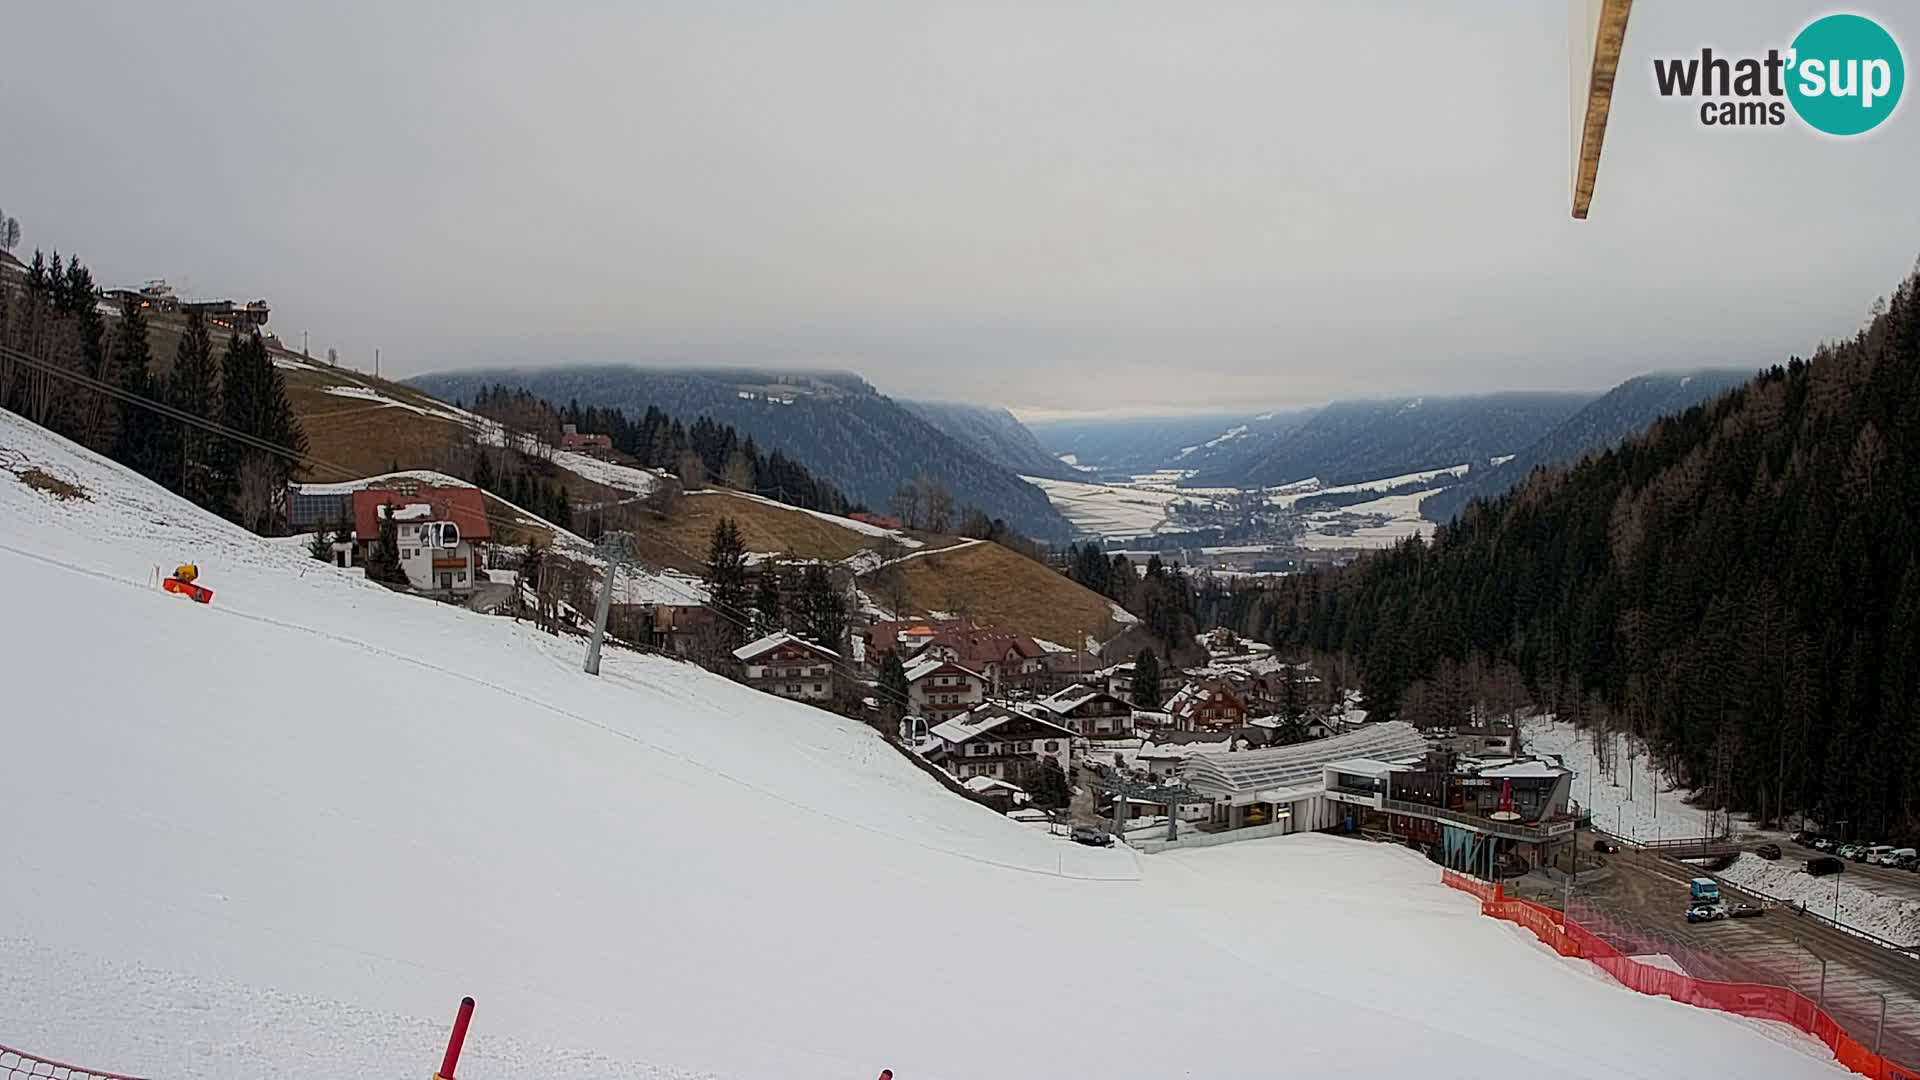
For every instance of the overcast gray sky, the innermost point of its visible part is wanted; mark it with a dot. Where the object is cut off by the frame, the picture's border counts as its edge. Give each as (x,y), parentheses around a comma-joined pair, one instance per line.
(1055,206)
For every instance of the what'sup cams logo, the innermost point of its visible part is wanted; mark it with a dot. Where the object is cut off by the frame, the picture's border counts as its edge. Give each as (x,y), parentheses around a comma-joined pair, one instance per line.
(1842,75)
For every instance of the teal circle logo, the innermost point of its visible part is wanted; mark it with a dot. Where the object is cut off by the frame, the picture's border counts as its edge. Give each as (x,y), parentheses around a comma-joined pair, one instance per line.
(1846,74)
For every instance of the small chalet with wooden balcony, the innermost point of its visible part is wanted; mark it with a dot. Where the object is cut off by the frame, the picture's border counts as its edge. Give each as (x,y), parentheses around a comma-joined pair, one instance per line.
(1090,713)
(1203,707)
(790,667)
(940,690)
(998,742)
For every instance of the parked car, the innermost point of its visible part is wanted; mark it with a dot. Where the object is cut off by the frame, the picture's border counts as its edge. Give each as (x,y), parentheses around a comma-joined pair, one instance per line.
(1606,847)
(1768,851)
(1821,843)
(1895,856)
(1706,913)
(1822,865)
(1092,836)
(1908,861)
(1845,851)
(1745,911)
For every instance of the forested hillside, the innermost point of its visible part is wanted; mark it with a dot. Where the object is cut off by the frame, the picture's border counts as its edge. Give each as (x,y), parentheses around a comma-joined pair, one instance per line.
(1739,585)
(1351,441)
(835,424)
(995,434)
(1625,410)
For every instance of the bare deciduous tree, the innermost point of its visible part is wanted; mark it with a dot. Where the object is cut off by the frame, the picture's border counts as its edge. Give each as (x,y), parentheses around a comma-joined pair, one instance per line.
(939,504)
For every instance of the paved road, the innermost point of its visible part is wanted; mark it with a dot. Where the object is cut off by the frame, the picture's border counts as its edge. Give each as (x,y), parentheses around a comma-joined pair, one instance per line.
(1641,904)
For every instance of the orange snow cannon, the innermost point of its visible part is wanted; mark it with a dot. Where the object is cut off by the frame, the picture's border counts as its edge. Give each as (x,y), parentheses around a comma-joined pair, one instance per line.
(182,583)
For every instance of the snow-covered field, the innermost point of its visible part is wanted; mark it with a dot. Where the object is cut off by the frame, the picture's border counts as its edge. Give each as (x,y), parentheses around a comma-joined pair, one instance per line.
(1108,509)
(1145,506)
(1401,519)
(284,833)
(1895,918)
(1624,807)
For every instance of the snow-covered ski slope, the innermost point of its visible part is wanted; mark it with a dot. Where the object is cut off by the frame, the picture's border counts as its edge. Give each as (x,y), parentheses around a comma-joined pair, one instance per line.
(283,834)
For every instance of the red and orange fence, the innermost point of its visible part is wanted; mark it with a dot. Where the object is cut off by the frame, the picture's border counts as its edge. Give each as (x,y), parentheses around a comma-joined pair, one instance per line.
(1758,1000)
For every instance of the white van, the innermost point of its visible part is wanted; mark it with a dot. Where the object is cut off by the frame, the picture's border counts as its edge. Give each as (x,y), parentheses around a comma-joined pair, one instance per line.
(1899,856)
(1878,854)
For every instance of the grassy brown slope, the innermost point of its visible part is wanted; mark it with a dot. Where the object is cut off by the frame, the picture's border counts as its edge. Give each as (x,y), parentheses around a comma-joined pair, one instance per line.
(987,582)
(996,587)
(681,540)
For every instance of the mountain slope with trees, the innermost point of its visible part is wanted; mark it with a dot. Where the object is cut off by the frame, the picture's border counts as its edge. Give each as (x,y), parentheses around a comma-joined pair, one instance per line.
(995,434)
(835,424)
(1740,585)
(1625,410)
(1353,441)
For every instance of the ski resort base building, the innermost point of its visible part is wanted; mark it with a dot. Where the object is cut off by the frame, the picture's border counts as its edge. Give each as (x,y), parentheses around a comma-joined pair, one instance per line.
(1466,814)
(1283,790)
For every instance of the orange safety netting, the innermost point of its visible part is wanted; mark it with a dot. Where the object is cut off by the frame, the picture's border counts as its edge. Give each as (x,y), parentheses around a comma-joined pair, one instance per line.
(1569,938)
(15,1065)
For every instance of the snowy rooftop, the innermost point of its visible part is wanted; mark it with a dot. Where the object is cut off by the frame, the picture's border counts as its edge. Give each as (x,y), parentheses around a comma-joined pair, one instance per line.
(984,784)
(983,719)
(1361,767)
(927,665)
(773,641)
(1525,770)
(1248,772)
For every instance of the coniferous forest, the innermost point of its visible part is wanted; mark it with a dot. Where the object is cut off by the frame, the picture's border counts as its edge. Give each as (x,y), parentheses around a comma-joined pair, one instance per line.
(701,452)
(64,367)
(1738,585)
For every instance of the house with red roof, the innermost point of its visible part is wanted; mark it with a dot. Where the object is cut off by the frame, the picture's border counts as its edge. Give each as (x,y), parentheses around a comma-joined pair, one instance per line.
(441,531)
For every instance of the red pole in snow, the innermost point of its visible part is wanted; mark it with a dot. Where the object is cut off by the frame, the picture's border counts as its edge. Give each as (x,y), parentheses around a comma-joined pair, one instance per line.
(456,1040)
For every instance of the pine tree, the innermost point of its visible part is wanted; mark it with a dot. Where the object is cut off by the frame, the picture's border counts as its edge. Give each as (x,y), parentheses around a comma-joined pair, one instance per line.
(767,616)
(321,546)
(1046,784)
(138,442)
(383,562)
(1146,679)
(893,688)
(823,611)
(193,388)
(726,580)
(483,472)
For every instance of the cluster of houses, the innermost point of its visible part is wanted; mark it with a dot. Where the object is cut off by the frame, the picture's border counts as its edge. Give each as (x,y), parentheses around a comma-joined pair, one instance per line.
(987,707)
(1245,745)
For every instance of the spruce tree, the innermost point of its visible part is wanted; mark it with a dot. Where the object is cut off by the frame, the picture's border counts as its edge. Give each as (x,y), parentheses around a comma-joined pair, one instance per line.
(894,699)
(767,616)
(193,388)
(383,562)
(823,610)
(137,443)
(1146,679)
(726,579)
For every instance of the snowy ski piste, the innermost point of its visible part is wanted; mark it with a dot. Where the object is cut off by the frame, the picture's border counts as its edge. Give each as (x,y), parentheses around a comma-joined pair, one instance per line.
(283,834)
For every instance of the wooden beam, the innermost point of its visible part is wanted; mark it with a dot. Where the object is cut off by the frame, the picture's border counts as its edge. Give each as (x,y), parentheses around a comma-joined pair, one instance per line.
(1606,22)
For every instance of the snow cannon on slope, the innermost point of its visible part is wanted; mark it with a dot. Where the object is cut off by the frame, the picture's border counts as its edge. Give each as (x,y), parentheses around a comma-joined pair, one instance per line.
(184,582)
